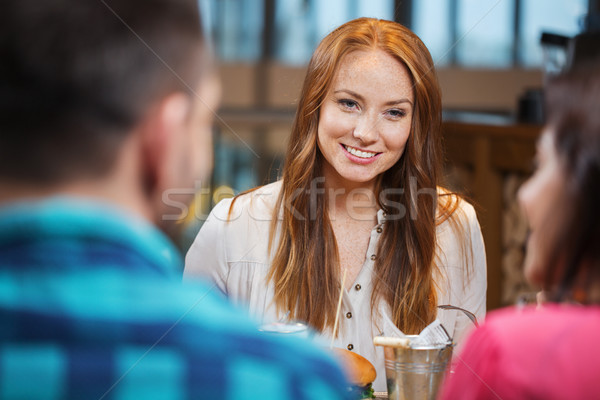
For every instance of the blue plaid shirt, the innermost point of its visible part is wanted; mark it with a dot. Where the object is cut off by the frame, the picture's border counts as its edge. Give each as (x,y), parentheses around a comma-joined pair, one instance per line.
(92,307)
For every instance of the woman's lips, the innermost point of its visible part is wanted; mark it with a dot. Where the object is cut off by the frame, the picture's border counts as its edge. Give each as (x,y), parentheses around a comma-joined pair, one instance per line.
(359,156)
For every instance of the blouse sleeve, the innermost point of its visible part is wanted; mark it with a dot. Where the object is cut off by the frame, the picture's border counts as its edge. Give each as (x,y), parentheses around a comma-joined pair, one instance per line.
(207,256)
(475,291)
(469,285)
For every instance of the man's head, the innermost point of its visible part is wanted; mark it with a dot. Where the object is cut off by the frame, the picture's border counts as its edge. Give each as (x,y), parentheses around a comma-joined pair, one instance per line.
(90,87)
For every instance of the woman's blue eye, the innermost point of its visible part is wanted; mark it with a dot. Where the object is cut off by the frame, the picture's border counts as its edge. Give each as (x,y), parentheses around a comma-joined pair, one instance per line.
(397,113)
(348,103)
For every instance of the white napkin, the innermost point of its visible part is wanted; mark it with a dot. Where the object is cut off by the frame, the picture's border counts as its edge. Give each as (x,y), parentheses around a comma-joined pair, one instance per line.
(433,334)
(390,329)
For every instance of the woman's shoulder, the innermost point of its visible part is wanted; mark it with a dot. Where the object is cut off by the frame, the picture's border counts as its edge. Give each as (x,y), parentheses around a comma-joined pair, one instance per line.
(270,190)
(522,332)
(454,210)
(257,203)
(447,198)
(556,331)
(547,353)
(241,225)
(553,319)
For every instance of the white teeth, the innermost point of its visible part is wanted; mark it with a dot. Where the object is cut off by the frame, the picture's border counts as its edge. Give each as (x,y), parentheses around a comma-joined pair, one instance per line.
(358,153)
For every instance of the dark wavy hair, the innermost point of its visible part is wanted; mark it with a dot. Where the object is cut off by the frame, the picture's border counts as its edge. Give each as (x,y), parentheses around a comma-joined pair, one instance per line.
(573,105)
(77,76)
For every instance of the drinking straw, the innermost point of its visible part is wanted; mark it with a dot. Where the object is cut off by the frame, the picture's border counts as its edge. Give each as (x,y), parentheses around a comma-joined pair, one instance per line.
(339,306)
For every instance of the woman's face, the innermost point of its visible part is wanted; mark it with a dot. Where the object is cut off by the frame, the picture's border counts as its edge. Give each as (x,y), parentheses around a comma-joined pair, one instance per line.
(365,119)
(540,200)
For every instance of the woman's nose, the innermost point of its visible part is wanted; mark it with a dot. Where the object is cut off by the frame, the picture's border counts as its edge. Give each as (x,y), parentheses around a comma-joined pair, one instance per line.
(524,195)
(366,129)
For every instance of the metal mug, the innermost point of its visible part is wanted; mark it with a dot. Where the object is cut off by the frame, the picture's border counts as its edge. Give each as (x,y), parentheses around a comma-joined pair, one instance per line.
(415,373)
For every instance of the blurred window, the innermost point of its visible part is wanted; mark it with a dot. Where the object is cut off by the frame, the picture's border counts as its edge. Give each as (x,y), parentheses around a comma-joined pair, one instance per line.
(301,24)
(493,33)
(485,33)
(431,20)
(469,33)
(563,17)
(235,28)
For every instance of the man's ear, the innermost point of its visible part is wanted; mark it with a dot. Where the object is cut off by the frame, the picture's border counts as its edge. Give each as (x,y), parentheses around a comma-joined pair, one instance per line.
(164,125)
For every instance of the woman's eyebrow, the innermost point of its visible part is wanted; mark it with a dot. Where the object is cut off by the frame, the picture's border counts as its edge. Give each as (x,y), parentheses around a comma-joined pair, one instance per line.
(361,98)
(350,92)
(395,102)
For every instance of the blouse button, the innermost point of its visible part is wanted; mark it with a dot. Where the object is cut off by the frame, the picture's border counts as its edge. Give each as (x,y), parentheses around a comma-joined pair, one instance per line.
(373,257)
(357,287)
(379,229)
(348,315)
(350,346)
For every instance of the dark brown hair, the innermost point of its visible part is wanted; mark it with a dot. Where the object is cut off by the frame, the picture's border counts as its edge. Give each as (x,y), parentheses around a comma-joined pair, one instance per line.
(76,77)
(573,109)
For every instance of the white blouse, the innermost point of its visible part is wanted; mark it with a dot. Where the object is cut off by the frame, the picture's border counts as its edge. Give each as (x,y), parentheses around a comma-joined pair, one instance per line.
(231,250)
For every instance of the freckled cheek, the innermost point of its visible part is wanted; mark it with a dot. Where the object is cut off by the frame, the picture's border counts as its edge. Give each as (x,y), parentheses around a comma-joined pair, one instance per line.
(395,138)
(335,124)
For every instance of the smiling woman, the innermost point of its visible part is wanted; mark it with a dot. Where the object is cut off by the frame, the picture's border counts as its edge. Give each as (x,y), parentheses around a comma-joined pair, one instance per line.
(359,198)
(366,118)
(550,351)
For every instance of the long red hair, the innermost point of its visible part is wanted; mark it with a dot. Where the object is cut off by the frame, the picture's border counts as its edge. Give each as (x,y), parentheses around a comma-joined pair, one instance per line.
(305,269)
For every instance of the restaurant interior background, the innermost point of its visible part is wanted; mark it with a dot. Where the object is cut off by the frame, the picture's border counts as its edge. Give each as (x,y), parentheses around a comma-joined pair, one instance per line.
(491,64)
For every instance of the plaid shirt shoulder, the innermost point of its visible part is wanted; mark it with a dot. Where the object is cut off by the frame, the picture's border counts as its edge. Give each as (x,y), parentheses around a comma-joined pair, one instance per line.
(87,317)
(193,347)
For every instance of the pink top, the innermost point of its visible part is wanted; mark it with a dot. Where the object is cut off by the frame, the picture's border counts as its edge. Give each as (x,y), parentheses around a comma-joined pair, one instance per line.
(550,353)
